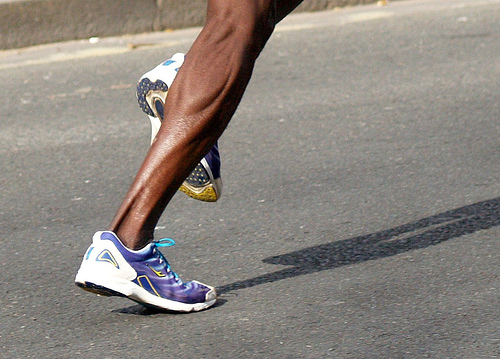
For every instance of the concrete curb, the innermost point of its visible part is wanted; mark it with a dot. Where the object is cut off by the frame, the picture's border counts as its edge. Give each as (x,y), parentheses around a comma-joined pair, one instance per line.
(32,22)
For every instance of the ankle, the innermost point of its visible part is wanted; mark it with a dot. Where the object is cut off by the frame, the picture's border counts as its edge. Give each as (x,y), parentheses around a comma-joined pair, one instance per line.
(133,240)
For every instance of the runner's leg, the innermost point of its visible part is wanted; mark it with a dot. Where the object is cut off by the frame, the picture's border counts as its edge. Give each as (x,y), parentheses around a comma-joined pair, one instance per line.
(200,104)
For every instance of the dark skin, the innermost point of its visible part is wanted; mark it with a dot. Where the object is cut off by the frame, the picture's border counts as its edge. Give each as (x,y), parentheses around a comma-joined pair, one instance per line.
(199,106)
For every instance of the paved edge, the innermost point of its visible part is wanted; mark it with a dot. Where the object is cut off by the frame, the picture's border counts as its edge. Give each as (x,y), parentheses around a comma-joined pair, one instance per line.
(26,23)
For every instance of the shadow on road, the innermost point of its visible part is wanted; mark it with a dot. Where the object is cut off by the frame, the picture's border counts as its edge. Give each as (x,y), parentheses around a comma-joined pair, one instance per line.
(416,235)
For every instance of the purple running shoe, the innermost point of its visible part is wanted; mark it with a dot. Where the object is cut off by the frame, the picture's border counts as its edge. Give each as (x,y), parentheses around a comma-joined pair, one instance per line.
(110,269)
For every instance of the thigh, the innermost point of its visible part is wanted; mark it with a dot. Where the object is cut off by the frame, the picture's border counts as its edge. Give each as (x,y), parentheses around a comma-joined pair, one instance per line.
(246,21)
(284,7)
(274,10)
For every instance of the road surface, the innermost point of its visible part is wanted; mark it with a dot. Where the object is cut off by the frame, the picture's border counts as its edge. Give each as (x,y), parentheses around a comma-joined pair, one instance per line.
(361,206)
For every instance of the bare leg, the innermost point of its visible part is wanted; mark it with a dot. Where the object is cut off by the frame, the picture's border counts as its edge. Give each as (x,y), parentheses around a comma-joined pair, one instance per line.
(200,104)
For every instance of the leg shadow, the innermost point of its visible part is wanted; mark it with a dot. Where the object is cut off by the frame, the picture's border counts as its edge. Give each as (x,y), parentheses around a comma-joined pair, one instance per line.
(416,235)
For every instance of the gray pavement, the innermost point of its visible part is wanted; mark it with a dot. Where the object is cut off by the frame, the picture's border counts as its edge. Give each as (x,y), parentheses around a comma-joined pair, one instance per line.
(34,22)
(361,209)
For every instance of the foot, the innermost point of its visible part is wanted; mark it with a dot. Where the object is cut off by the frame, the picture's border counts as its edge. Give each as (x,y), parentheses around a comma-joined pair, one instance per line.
(109,268)
(204,183)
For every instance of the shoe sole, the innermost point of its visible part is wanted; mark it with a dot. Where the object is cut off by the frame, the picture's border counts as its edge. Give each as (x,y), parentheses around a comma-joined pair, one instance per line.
(151,95)
(99,290)
(204,192)
(143,297)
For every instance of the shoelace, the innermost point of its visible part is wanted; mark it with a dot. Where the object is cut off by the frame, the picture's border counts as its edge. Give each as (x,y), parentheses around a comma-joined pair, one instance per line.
(166,242)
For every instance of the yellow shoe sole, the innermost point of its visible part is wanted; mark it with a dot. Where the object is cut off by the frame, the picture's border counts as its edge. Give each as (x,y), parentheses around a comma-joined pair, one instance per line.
(206,193)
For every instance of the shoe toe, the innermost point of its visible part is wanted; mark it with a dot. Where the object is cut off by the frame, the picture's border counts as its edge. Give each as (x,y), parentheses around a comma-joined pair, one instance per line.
(211,295)
(210,292)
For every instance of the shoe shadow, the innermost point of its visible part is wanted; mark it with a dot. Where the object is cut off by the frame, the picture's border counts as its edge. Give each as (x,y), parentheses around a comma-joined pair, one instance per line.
(408,237)
(140,309)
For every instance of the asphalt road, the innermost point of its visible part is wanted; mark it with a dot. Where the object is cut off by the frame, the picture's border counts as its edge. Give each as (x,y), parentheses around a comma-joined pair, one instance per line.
(361,209)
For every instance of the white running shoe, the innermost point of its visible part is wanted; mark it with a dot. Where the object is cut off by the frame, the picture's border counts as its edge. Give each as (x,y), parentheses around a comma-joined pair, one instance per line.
(204,183)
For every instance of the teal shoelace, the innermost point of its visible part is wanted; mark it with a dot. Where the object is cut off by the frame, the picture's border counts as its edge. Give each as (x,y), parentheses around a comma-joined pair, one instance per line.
(166,242)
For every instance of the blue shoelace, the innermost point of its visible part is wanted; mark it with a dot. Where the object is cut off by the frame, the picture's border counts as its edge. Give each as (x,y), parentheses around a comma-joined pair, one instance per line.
(166,242)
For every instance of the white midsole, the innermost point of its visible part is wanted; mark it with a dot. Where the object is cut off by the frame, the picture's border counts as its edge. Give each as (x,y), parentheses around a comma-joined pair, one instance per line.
(155,127)
(137,293)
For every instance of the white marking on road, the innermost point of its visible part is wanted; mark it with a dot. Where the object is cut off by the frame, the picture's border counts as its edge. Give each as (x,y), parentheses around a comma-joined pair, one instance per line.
(83,54)
(359,17)
(367,16)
